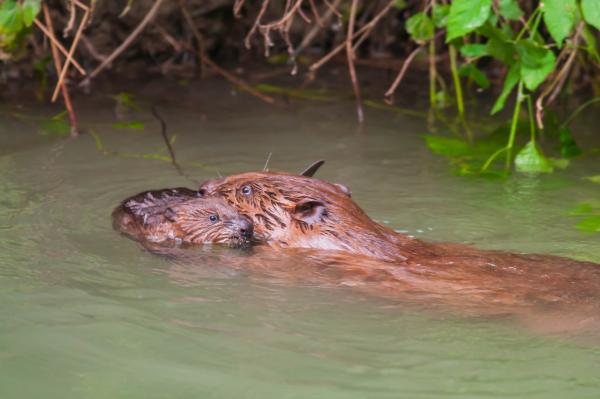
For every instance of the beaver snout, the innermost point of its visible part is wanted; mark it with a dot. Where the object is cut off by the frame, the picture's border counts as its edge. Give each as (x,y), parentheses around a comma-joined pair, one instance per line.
(244,227)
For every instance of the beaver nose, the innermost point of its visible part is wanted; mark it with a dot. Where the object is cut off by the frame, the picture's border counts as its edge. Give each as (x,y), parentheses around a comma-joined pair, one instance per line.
(246,228)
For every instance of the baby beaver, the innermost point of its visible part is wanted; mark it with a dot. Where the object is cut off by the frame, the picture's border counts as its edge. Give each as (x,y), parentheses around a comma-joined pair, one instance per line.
(180,215)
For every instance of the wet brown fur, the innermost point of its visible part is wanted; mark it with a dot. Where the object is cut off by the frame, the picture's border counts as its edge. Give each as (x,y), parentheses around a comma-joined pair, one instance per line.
(307,215)
(181,216)
(291,211)
(451,270)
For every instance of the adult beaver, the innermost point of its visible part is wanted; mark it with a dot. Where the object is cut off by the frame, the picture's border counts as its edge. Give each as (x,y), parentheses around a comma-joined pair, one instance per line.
(292,211)
(180,215)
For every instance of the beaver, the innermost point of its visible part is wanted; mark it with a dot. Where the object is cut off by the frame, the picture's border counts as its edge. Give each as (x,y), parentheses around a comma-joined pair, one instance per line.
(180,215)
(294,211)
(291,211)
(308,214)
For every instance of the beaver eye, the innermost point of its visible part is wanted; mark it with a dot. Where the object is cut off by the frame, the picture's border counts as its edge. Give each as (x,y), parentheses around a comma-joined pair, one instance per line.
(246,190)
(213,218)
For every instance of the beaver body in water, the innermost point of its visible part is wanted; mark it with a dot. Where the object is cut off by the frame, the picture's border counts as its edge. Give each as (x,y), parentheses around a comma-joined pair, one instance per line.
(307,216)
(180,215)
(292,211)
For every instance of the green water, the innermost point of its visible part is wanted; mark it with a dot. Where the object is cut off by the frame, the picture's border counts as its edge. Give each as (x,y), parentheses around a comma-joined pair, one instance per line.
(87,314)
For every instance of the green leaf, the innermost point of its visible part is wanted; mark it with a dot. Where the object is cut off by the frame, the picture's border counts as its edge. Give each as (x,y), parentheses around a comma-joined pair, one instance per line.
(510,9)
(279,59)
(491,32)
(41,64)
(582,209)
(466,16)
(500,44)
(591,44)
(60,116)
(590,225)
(559,17)
(502,51)
(536,63)
(55,127)
(31,8)
(135,125)
(400,4)
(508,32)
(591,12)
(474,50)
(472,72)
(317,95)
(593,179)
(510,81)
(11,17)
(559,163)
(420,27)
(446,146)
(126,100)
(440,15)
(568,146)
(531,160)
(443,98)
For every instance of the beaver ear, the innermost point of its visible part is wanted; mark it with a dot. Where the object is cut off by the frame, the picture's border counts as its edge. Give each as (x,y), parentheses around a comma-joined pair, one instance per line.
(310,211)
(312,168)
(345,189)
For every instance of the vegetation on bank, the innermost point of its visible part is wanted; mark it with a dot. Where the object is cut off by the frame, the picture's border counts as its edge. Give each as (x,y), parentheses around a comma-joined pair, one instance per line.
(534,54)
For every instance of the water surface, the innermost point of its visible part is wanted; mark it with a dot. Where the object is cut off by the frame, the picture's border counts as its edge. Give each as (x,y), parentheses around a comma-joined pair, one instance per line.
(87,314)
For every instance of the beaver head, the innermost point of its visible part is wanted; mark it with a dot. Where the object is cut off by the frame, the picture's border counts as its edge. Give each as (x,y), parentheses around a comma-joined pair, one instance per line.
(181,216)
(303,212)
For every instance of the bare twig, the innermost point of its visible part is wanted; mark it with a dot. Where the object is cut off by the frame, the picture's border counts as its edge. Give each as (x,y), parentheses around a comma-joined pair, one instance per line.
(304,16)
(58,67)
(351,66)
(341,47)
(165,136)
(333,8)
(313,9)
(50,35)
(390,92)
(285,17)
(556,85)
(132,36)
(71,22)
(211,64)
(433,69)
(63,72)
(568,64)
(84,7)
(256,24)
(92,49)
(282,25)
(237,8)
(169,38)
(315,29)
